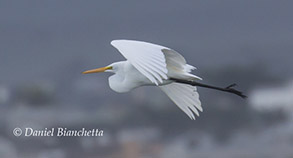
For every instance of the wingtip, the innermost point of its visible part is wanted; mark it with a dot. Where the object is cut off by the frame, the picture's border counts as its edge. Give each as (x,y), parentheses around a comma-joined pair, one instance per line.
(116,41)
(193,118)
(113,42)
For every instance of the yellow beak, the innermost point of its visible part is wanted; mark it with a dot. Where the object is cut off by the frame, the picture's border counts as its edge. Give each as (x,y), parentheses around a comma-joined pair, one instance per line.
(102,69)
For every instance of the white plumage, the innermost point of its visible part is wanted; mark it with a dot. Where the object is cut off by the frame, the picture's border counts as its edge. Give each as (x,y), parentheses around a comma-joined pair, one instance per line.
(184,96)
(151,64)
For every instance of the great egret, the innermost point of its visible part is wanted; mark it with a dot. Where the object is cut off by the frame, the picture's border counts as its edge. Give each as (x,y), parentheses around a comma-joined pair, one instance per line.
(152,64)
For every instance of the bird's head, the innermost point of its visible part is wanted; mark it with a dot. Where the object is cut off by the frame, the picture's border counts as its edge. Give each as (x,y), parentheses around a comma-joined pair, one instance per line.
(114,67)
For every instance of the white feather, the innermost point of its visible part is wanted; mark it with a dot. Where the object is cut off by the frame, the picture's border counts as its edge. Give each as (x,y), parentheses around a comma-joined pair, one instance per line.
(146,57)
(177,66)
(185,97)
(149,63)
(156,62)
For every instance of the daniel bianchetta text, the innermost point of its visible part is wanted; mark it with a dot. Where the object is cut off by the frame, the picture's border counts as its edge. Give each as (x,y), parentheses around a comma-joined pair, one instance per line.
(62,132)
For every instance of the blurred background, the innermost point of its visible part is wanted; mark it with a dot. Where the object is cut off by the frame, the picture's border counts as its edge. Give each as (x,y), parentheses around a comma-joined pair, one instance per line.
(45,45)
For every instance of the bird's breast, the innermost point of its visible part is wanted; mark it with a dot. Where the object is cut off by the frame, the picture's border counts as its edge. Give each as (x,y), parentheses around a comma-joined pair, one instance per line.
(127,79)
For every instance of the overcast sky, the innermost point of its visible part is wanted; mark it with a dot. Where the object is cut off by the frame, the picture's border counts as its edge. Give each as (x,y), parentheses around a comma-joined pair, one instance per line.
(39,37)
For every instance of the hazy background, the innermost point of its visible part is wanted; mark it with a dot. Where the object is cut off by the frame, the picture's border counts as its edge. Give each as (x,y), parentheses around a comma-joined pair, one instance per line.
(45,45)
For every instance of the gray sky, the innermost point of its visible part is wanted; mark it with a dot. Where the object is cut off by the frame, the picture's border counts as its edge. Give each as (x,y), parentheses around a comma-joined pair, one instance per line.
(46,44)
(43,38)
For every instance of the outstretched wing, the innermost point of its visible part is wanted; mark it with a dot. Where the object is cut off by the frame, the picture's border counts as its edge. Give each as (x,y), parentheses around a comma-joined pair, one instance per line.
(185,97)
(147,58)
(177,66)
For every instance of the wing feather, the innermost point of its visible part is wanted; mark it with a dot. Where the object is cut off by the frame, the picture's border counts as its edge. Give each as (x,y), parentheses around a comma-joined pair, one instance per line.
(145,57)
(171,93)
(155,62)
(144,72)
(156,69)
(185,97)
(150,68)
(177,66)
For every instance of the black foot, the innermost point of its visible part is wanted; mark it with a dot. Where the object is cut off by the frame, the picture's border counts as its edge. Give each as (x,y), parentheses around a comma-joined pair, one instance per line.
(232,90)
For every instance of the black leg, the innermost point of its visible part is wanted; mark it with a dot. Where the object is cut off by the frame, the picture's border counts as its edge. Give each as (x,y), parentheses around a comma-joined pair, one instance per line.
(228,89)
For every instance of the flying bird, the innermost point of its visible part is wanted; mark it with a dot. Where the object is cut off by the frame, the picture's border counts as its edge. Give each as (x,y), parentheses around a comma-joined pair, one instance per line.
(150,64)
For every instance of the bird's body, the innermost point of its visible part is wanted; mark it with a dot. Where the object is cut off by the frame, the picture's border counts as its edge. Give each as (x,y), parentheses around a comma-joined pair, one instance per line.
(150,64)
(124,82)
